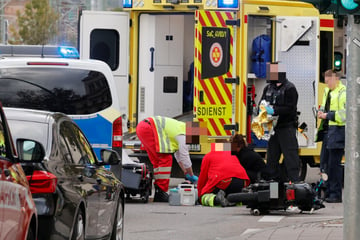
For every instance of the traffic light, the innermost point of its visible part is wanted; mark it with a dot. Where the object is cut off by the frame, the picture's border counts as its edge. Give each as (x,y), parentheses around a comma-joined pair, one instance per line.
(338,61)
(348,7)
(336,7)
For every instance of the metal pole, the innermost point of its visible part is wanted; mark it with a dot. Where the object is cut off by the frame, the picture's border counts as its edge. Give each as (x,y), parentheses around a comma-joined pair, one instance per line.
(352,148)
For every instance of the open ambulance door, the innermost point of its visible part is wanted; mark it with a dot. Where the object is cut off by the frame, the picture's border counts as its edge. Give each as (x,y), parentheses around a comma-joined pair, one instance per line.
(214,71)
(161,65)
(297,48)
(104,35)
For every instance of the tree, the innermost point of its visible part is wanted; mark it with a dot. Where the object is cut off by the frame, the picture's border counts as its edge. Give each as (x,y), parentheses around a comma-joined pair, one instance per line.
(36,25)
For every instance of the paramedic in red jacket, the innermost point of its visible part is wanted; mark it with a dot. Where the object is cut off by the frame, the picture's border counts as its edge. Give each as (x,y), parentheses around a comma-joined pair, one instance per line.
(220,175)
(162,137)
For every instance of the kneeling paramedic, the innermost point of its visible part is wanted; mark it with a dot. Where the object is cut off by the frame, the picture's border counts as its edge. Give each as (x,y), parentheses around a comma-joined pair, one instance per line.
(161,137)
(221,174)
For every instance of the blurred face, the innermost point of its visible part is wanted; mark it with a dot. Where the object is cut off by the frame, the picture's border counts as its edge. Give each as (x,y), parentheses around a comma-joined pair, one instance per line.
(331,80)
(274,74)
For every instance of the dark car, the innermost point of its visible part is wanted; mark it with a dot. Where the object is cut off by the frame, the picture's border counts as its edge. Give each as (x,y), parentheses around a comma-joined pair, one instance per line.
(75,196)
(18,219)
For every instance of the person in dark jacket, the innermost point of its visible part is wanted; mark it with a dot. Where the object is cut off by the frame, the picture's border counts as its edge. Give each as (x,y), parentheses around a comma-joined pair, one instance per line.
(252,161)
(220,174)
(282,97)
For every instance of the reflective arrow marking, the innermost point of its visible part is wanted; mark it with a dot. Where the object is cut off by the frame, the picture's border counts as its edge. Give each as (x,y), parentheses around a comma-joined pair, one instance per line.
(356,42)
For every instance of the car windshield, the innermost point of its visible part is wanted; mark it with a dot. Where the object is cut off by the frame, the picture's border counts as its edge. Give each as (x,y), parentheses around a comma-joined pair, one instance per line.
(71,91)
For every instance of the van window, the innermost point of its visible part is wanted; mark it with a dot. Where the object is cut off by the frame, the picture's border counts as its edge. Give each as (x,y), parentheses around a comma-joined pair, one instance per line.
(71,91)
(104,46)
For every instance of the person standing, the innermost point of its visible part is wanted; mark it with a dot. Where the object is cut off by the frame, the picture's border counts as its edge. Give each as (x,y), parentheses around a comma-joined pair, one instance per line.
(161,137)
(221,174)
(282,97)
(333,116)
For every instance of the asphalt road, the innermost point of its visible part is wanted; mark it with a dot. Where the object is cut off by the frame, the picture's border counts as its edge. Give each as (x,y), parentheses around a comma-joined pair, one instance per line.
(161,221)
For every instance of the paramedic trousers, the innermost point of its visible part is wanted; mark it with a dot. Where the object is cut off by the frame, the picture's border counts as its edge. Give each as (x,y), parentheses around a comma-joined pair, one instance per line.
(284,142)
(162,162)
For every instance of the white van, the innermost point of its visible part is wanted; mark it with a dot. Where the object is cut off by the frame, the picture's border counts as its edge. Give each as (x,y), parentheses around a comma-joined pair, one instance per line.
(82,89)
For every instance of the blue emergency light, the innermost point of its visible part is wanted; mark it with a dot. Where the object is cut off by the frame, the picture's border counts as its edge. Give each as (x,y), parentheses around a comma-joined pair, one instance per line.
(228,3)
(68,52)
(127,3)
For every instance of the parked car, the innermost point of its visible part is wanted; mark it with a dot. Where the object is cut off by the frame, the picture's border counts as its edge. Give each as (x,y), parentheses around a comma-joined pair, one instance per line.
(18,219)
(75,196)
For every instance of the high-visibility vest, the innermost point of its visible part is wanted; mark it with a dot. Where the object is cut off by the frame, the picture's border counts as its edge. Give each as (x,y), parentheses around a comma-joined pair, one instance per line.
(167,129)
(337,104)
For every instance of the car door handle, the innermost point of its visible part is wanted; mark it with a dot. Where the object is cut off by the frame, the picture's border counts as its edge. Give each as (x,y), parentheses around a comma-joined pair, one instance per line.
(98,180)
(80,177)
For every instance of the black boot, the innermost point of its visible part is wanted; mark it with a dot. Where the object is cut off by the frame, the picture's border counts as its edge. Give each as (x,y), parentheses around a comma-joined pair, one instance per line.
(160,195)
(221,199)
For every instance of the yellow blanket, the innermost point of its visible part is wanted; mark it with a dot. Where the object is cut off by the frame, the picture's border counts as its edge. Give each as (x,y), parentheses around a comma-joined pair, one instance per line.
(261,121)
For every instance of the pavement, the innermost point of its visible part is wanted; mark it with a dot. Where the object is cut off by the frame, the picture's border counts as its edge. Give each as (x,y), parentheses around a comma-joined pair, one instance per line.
(321,230)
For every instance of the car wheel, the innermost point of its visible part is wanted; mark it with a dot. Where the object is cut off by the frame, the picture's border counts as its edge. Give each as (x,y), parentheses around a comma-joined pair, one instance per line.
(118,225)
(79,227)
(30,234)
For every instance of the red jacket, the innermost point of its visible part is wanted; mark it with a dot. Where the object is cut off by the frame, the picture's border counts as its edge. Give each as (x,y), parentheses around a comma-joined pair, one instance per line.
(217,166)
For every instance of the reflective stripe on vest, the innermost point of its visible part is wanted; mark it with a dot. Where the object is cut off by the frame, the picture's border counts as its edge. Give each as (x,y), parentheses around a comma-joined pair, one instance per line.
(167,129)
(164,140)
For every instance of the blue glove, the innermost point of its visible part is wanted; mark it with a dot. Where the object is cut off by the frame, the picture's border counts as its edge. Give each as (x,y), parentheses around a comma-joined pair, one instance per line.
(192,179)
(269,110)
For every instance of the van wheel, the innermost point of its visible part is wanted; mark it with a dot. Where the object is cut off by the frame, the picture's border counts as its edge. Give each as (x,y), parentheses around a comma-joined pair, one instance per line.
(79,227)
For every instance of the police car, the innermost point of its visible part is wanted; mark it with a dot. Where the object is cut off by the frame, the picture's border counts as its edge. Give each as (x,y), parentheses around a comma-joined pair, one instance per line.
(53,79)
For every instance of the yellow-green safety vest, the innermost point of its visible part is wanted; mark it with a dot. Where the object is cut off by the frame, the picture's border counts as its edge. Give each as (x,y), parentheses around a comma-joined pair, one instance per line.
(337,104)
(167,129)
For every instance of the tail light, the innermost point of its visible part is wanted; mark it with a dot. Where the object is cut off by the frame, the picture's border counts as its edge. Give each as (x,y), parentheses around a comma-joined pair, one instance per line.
(290,194)
(117,133)
(42,182)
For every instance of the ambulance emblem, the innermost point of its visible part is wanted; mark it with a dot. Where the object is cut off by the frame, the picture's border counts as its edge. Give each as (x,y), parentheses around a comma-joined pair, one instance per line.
(216,54)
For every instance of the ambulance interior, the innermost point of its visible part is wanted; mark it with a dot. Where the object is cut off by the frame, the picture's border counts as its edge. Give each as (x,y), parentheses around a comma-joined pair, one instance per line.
(166,55)
(259,27)
(295,45)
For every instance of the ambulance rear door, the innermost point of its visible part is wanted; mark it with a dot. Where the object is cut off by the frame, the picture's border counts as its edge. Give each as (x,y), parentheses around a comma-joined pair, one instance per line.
(297,47)
(104,35)
(214,71)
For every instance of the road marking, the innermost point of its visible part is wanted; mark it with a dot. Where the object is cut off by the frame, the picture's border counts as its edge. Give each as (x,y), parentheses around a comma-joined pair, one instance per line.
(309,216)
(250,230)
(271,219)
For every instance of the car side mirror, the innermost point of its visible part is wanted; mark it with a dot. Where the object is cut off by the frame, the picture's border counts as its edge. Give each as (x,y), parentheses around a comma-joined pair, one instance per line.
(30,150)
(109,157)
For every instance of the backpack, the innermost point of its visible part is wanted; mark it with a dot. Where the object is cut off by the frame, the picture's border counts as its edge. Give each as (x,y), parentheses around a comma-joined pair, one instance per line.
(261,54)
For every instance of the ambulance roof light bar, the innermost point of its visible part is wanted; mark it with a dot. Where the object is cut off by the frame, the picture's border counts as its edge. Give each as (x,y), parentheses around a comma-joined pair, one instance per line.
(228,3)
(179,4)
(127,3)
